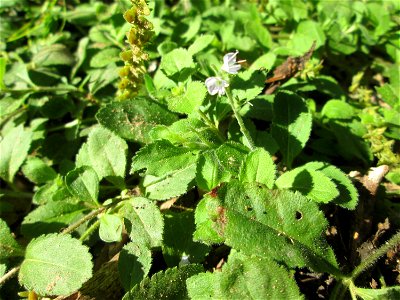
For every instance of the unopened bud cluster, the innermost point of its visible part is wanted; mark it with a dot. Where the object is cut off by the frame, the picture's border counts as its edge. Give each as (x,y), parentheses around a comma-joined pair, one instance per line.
(140,33)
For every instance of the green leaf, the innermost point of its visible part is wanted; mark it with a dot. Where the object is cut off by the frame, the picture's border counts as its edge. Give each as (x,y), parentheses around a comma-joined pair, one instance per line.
(248,85)
(216,166)
(100,78)
(143,221)
(348,195)
(110,229)
(133,264)
(245,277)
(105,57)
(388,293)
(52,55)
(51,217)
(312,184)
(206,212)
(132,120)
(14,149)
(83,183)
(337,109)
(256,29)
(262,222)
(200,43)
(388,94)
(3,64)
(171,184)
(105,153)
(55,264)
(189,99)
(37,171)
(178,239)
(307,32)
(258,166)
(170,284)
(160,158)
(177,61)
(291,125)
(170,169)
(189,132)
(8,245)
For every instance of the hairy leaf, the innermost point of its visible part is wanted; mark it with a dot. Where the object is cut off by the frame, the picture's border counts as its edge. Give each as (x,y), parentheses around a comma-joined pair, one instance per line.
(55,264)
(170,284)
(134,264)
(83,183)
(311,183)
(143,221)
(110,229)
(189,99)
(8,245)
(132,120)
(258,166)
(262,222)
(244,277)
(291,126)
(37,171)
(14,149)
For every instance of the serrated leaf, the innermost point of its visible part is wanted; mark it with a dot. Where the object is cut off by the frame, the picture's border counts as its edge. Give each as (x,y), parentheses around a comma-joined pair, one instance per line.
(14,149)
(201,43)
(206,212)
(8,245)
(178,239)
(51,217)
(189,132)
(170,284)
(55,264)
(178,61)
(388,293)
(259,221)
(134,264)
(161,157)
(337,109)
(83,183)
(105,57)
(248,85)
(258,166)
(110,229)
(143,221)
(37,171)
(245,277)
(171,184)
(291,125)
(105,153)
(311,183)
(52,55)
(219,165)
(348,195)
(190,99)
(132,120)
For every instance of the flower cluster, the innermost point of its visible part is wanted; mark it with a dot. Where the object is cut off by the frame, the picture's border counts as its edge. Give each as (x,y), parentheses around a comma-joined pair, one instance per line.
(217,85)
(140,33)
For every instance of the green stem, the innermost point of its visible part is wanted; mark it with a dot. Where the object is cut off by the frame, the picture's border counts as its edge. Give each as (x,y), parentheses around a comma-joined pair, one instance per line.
(369,261)
(9,274)
(86,218)
(211,125)
(89,231)
(41,89)
(243,129)
(18,194)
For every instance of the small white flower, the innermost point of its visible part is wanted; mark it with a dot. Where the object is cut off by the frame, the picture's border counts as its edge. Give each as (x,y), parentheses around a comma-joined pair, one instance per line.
(216,85)
(230,64)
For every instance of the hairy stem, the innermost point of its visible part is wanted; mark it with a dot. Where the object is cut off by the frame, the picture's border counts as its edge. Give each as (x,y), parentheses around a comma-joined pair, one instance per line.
(370,260)
(243,129)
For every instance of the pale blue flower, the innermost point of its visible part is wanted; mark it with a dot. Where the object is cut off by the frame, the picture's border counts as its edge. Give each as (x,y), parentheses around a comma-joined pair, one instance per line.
(230,65)
(216,85)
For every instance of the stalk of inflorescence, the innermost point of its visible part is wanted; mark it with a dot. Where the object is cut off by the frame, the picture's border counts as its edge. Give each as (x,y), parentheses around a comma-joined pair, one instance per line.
(217,85)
